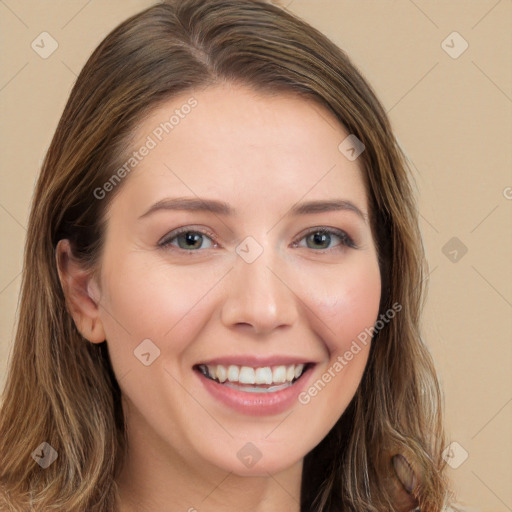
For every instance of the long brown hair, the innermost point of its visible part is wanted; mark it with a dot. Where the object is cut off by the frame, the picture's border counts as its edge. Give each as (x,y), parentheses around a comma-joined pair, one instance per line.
(384,454)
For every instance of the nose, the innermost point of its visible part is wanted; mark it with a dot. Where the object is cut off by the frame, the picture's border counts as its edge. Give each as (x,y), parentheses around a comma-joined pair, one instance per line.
(259,296)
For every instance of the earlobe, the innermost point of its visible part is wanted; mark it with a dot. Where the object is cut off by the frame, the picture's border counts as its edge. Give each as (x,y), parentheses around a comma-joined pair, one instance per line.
(81,293)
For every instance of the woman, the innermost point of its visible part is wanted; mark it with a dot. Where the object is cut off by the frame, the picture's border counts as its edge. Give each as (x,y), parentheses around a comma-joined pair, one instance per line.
(222,284)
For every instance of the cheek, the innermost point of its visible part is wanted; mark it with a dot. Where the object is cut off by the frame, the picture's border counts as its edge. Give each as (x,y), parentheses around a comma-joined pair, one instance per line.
(345,310)
(347,304)
(148,301)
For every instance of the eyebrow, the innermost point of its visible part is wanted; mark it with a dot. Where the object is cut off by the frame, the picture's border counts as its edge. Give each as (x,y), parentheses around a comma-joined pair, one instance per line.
(222,208)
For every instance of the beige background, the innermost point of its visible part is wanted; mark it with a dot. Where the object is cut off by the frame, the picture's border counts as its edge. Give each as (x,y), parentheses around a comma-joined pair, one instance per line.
(452,116)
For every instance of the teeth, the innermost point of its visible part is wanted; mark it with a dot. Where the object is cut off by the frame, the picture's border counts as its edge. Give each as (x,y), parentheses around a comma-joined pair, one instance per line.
(279,374)
(221,374)
(264,375)
(299,368)
(246,375)
(260,376)
(233,372)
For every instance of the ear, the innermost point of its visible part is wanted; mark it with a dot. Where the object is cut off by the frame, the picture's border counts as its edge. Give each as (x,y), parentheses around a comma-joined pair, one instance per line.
(81,292)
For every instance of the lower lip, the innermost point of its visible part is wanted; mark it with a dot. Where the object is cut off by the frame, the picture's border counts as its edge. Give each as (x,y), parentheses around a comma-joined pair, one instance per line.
(256,404)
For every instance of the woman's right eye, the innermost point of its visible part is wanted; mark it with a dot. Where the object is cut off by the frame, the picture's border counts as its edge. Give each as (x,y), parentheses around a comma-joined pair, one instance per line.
(187,239)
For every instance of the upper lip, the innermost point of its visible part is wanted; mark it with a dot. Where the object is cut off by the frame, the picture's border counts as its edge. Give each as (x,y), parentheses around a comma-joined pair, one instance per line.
(257,361)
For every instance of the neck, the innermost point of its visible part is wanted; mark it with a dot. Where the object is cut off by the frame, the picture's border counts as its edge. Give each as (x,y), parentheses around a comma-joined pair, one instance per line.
(157,477)
(162,487)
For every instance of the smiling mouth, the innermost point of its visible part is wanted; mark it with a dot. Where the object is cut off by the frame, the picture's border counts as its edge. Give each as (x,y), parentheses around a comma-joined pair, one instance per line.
(266,379)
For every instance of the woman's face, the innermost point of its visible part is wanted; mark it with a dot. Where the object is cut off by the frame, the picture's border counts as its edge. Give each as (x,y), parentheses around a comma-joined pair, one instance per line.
(208,329)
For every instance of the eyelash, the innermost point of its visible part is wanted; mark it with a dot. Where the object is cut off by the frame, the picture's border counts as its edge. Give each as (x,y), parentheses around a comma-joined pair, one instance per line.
(345,239)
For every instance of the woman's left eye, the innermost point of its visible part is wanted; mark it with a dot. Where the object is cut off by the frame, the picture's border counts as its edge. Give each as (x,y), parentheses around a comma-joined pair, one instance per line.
(324,236)
(318,238)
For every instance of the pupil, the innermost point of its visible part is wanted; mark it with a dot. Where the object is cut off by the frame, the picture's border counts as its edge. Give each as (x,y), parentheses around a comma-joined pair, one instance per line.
(191,239)
(321,238)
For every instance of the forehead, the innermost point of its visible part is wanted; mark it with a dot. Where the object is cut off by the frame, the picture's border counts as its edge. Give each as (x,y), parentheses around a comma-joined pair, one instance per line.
(232,142)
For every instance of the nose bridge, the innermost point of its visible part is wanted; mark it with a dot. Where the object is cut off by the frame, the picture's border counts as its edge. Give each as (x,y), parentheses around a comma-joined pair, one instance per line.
(257,292)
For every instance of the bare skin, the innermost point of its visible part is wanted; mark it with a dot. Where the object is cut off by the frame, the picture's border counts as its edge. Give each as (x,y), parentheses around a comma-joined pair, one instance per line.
(302,297)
